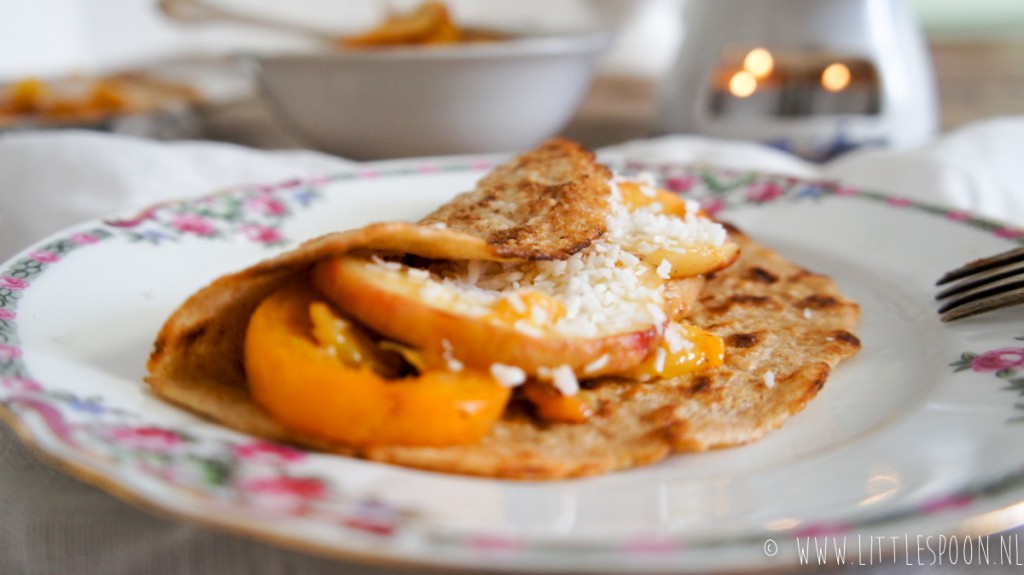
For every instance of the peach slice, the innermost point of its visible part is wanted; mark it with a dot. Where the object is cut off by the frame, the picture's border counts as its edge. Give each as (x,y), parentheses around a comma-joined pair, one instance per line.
(694,260)
(552,406)
(681,295)
(665,221)
(305,385)
(634,198)
(685,349)
(454,325)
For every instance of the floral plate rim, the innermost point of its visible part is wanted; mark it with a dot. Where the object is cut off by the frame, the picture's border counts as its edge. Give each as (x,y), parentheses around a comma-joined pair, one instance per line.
(256,214)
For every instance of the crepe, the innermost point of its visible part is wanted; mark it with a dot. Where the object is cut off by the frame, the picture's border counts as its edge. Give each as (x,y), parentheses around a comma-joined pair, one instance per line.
(785,329)
(560,182)
(546,204)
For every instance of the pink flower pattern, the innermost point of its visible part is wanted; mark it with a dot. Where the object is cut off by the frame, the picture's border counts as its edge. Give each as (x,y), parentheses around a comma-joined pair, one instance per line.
(998,360)
(680,183)
(1009,233)
(268,453)
(20,384)
(822,529)
(9,352)
(84,239)
(266,205)
(286,493)
(45,257)
(494,543)
(13,283)
(764,191)
(374,517)
(194,224)
(956,501)
(147,438)
(262,234)
(7,314)
(712,205)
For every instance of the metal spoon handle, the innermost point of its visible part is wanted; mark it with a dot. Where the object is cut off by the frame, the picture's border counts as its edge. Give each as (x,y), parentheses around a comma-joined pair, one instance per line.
(197,11)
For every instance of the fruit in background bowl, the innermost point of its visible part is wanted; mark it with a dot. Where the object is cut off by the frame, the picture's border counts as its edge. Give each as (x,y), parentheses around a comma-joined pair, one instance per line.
(420,86)
(87,101)
(429,24)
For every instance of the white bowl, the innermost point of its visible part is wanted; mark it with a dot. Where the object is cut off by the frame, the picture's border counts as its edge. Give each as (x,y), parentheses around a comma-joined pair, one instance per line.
(470,98)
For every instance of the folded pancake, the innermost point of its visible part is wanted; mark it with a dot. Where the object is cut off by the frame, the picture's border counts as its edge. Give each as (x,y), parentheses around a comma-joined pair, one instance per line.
(547,204)
(784,329)
(203,339)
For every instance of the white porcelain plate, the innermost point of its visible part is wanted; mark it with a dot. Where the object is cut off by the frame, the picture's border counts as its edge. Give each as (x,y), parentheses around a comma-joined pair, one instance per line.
(917,437)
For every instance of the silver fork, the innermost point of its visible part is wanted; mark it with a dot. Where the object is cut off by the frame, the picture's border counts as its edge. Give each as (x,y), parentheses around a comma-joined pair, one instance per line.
(983,285)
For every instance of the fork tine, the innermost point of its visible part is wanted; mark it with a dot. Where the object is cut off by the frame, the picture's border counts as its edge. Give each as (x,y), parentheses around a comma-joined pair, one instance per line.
(985,296)
(989,275)
(959,309)
(983,264)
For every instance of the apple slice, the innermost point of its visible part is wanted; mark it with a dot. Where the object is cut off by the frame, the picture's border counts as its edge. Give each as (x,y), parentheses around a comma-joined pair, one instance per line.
(473,327)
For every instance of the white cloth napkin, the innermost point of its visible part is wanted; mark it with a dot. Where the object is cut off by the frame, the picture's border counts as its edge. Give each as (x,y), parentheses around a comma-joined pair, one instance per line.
(51,180)
(978,168)
(50,523)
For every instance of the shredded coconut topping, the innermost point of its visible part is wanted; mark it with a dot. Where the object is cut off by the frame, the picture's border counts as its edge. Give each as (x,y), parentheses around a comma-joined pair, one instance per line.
(664,269)
(516,301)
(508,375)
(605,287)
(659,359)
(449,356)
(563,379)
(647,225)
(597,364)
(676,339)
(393,266)
(769,379)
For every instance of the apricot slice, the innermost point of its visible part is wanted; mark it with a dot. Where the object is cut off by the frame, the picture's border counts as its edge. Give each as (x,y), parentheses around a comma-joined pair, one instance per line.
(307,387)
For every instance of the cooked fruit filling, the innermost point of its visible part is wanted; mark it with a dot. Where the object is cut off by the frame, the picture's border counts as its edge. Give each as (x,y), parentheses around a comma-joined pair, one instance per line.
(304,379)
(541,326)
(685,348)
(546,323)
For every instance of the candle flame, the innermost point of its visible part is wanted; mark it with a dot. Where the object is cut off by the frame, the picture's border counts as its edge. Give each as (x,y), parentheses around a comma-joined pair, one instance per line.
(742,84)
(759,62)
(836,77)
